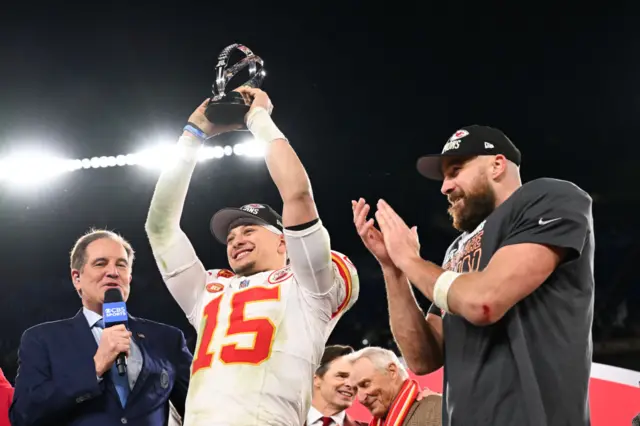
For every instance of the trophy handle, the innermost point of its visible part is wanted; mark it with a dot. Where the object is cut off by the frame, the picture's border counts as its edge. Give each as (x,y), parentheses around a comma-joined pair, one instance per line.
(224,74)
(230,108)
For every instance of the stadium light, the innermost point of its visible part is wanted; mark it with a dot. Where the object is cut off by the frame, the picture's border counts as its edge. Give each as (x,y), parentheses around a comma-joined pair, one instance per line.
(34,167)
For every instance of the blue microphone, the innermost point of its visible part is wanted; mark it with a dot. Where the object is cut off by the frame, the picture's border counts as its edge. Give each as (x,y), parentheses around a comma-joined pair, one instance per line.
(114,312)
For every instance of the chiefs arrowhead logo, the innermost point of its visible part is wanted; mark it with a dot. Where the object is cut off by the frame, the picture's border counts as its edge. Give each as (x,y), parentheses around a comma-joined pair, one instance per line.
(459,135)
(280,275)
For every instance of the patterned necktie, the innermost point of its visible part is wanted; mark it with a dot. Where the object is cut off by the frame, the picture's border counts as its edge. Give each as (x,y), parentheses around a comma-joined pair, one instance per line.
(326,421)
(120,382)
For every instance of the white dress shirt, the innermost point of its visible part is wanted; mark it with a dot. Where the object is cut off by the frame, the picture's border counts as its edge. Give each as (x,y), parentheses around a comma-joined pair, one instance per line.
(134,360)
(314,418)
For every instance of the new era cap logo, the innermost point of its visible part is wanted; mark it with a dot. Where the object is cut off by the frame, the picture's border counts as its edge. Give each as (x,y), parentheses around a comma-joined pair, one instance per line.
(488,145)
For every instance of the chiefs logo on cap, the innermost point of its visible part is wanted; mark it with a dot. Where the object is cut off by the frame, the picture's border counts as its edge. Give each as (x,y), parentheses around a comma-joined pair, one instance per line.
(459,135)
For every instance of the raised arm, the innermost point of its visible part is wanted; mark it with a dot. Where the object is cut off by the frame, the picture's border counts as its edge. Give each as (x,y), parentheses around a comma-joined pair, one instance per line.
(284,166)
(308,243)
(420,340)
(182,271)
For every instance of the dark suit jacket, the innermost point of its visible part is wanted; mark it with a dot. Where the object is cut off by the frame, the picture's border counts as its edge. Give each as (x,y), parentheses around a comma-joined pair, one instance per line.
(57,385)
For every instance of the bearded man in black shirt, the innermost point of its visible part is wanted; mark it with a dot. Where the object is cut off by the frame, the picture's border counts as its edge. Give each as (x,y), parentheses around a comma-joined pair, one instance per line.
(513,300)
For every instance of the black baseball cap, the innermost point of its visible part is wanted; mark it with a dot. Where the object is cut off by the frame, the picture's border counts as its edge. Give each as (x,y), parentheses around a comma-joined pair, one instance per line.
(470,141)
(249,214)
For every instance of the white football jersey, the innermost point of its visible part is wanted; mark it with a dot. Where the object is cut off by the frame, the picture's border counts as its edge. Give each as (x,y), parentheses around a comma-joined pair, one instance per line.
(260,338)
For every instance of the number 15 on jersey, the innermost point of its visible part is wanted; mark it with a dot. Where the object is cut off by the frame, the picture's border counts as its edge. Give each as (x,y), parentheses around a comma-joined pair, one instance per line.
(262,329)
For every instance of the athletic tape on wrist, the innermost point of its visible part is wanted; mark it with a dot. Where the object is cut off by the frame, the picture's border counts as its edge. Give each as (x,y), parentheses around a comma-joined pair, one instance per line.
(441,289)
(262,127)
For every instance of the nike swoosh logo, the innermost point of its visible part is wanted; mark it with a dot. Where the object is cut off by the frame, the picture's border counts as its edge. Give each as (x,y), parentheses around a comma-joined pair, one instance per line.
(546,222)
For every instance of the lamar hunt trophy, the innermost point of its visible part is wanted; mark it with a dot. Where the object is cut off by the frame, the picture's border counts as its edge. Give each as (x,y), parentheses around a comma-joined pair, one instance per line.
(228,107)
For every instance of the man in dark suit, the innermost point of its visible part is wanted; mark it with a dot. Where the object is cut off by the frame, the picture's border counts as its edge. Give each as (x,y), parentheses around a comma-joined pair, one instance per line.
(332,393)
(66,372)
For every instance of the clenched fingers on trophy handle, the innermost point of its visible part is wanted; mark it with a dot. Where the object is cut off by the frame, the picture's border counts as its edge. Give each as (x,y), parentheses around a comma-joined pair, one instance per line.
(246,97)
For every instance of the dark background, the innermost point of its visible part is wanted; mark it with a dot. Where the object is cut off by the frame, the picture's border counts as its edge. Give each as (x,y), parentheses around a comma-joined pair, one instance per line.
(360,90)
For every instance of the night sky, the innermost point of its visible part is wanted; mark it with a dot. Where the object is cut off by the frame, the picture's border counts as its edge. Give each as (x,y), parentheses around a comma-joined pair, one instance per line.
(360,92)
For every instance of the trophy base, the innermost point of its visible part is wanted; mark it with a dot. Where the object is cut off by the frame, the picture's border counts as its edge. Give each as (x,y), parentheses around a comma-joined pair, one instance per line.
(228,111)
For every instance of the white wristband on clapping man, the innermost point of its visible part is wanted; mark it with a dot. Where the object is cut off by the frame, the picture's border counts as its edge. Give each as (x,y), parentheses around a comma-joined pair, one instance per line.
(262,127)
(441,289)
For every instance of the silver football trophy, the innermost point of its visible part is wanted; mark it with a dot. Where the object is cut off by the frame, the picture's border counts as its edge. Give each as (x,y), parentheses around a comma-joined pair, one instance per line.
(226,106)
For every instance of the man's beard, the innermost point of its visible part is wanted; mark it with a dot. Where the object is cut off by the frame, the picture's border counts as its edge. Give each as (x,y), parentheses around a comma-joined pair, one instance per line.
(478,204)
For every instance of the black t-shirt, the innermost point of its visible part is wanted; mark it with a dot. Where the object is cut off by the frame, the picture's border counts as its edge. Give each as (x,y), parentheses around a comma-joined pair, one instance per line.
(532,367)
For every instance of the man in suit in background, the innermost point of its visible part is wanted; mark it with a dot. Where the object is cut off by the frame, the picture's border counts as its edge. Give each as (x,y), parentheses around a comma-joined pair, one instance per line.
(66,373)
(385,389)
(332,393)
(6,395)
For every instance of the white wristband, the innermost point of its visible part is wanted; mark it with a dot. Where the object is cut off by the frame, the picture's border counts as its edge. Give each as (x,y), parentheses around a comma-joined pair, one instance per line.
(441,289)
(262,127)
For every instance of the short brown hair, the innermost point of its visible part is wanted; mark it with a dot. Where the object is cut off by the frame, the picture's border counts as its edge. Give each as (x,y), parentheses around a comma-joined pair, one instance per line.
(331,353)
(79,251)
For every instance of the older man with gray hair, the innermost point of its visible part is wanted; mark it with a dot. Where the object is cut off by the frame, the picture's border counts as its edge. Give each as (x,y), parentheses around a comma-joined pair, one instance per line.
(67,373)
(385,389)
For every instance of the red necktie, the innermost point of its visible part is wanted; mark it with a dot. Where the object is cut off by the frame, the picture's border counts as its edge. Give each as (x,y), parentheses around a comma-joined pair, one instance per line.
(326,421)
